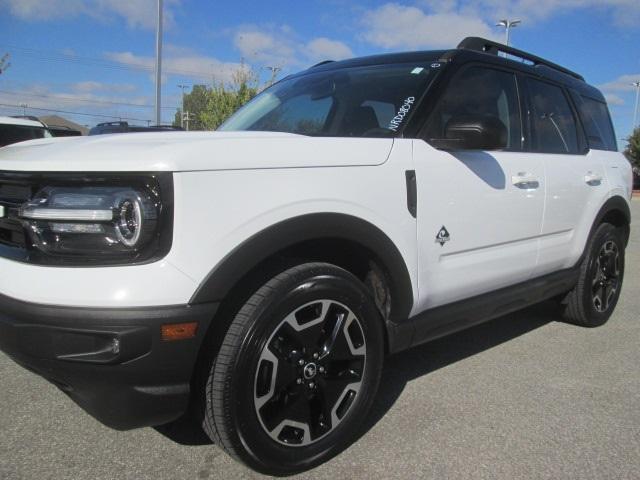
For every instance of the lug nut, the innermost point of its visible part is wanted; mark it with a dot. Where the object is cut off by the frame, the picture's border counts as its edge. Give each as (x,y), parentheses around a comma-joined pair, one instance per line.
(315,355)
(311,384)
(301,362)
(299,381)
(321,369)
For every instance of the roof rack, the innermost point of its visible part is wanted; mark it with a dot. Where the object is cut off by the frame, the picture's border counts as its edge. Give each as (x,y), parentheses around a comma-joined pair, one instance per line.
(119,123)
(324,62)
(478,44)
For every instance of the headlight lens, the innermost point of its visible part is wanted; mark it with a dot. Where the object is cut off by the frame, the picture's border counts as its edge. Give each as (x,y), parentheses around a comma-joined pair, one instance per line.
(110,221)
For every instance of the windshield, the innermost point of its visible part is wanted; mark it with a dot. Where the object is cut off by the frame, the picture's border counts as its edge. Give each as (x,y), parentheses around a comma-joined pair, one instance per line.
(19,133)
(370,101)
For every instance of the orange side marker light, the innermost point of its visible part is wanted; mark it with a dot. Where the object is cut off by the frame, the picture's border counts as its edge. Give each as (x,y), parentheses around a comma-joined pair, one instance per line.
(179,331)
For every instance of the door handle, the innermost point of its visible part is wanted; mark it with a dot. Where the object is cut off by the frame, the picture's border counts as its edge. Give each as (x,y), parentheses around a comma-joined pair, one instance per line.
(525,181)
(592,179)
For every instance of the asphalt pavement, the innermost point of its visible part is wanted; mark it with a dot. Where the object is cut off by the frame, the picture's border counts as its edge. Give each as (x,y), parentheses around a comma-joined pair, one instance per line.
(523,396)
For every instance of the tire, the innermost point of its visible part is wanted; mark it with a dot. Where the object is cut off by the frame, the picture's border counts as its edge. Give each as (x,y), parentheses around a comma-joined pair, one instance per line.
(593,299)
(265,381)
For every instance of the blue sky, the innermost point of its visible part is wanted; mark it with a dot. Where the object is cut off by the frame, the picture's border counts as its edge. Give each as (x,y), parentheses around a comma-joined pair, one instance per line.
(96,56)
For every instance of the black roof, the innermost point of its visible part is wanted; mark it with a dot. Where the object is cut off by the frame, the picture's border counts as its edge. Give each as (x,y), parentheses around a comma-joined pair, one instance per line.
(482,50)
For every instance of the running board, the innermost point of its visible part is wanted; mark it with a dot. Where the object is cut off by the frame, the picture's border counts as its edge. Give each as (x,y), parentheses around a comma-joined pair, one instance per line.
(446,319)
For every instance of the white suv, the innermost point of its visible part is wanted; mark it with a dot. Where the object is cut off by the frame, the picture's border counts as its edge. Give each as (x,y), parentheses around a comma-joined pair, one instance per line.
(21,129)
(257,276)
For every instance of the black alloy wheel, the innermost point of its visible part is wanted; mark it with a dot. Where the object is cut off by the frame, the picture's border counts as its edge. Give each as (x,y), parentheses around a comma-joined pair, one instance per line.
(593,299)
(297,371)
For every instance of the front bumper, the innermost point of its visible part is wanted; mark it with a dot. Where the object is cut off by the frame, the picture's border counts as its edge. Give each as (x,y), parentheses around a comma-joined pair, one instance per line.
(110,361)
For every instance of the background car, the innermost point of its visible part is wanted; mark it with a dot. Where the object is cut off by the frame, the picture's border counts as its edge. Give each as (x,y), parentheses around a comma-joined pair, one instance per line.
(124,127)
(20,129)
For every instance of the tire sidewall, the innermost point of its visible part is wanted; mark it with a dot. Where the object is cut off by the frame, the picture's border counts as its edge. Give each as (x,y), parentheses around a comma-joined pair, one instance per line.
(262,452)
(606,232)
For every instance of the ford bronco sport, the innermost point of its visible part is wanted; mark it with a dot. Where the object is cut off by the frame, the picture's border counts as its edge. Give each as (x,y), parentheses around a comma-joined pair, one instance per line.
(258,275)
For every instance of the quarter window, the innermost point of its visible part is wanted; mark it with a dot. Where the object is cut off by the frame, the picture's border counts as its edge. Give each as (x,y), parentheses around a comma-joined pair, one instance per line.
(480,91)
(553,124)
(597,124)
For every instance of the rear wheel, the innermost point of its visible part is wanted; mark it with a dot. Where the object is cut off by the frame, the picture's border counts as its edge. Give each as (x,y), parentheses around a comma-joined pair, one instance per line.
(594,298)
(297,371)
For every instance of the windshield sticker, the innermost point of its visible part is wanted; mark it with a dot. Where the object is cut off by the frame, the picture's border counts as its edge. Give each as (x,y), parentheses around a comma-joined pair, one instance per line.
(416,70)
(404,109)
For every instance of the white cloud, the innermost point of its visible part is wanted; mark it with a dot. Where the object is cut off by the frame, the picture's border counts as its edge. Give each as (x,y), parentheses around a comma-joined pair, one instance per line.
(323,48)
(93,86)
(613,99)
(621,84)
(623,12)
(268,48)
(182,63)
(395,26)
(282,47)
(136,13)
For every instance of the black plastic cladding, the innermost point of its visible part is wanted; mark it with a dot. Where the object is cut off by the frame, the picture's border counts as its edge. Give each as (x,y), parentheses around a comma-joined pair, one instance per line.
(155,250)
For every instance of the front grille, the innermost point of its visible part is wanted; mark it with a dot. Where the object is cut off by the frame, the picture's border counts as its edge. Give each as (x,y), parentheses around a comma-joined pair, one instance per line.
(15,189)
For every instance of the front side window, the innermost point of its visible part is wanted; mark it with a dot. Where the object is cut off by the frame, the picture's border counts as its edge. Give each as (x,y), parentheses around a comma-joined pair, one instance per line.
(553,125)
(479,91)
(369,101)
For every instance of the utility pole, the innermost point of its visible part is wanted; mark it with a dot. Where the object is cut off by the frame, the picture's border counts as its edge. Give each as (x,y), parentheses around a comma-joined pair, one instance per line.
(159,65)
(508,25)
(186,118)
(24,109)
(635,112)
(182,86)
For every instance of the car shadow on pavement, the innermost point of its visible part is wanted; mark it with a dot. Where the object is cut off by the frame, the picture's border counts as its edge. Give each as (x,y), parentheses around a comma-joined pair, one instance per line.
(424,359)
(413,363)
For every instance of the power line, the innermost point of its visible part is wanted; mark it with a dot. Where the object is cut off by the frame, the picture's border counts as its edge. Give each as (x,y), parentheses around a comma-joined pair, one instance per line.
(87,100)
(74,113)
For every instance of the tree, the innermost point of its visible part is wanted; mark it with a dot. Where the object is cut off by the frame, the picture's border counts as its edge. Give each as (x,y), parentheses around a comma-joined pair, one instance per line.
(632,152)
(209,107)
(4,63)
(633,149)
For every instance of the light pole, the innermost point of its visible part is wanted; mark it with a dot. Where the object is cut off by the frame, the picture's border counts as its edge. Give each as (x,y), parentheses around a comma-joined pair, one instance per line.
(159,64)
(508,25)
(635,112)
(274,73)
(182,86)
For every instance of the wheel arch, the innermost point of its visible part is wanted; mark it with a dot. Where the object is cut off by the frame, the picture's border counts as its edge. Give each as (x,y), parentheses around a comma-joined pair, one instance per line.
(615,211)
(343,239)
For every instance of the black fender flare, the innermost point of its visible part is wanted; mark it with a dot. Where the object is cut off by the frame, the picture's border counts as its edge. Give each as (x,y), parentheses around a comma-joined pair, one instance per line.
(315,226)
(613,204)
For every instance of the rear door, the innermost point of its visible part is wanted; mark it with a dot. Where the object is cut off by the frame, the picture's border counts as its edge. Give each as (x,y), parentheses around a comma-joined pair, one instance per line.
(575,176)
(479,212)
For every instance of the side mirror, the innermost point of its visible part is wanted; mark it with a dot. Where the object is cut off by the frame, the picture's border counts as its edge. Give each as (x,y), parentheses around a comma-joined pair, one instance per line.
(473,132)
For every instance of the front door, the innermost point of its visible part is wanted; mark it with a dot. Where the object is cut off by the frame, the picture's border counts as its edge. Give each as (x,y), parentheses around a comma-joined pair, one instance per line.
(479,212)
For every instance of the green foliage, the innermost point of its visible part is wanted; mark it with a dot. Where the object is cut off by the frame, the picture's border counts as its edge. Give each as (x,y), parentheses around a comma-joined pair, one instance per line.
(210,106)
(633,150)
(4,63)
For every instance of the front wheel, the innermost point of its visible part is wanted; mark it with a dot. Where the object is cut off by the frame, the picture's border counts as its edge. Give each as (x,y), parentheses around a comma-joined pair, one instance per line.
(596,294)
(297,371)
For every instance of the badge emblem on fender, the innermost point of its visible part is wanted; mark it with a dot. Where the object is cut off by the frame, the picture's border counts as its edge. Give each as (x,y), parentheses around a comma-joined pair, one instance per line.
(442,236)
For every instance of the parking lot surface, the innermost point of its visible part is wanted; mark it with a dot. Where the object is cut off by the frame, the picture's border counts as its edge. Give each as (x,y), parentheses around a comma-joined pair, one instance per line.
(523,396)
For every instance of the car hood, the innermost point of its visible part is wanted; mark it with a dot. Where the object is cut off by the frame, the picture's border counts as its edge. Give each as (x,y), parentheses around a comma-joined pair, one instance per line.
(191,151)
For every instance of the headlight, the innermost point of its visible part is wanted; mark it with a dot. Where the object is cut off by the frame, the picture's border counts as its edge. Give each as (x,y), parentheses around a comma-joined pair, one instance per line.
(102,221)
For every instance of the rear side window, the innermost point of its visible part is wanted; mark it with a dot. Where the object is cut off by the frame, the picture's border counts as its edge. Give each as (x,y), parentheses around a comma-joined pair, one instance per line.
(19,133)
(553,125)
(597,123)
(480,91)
